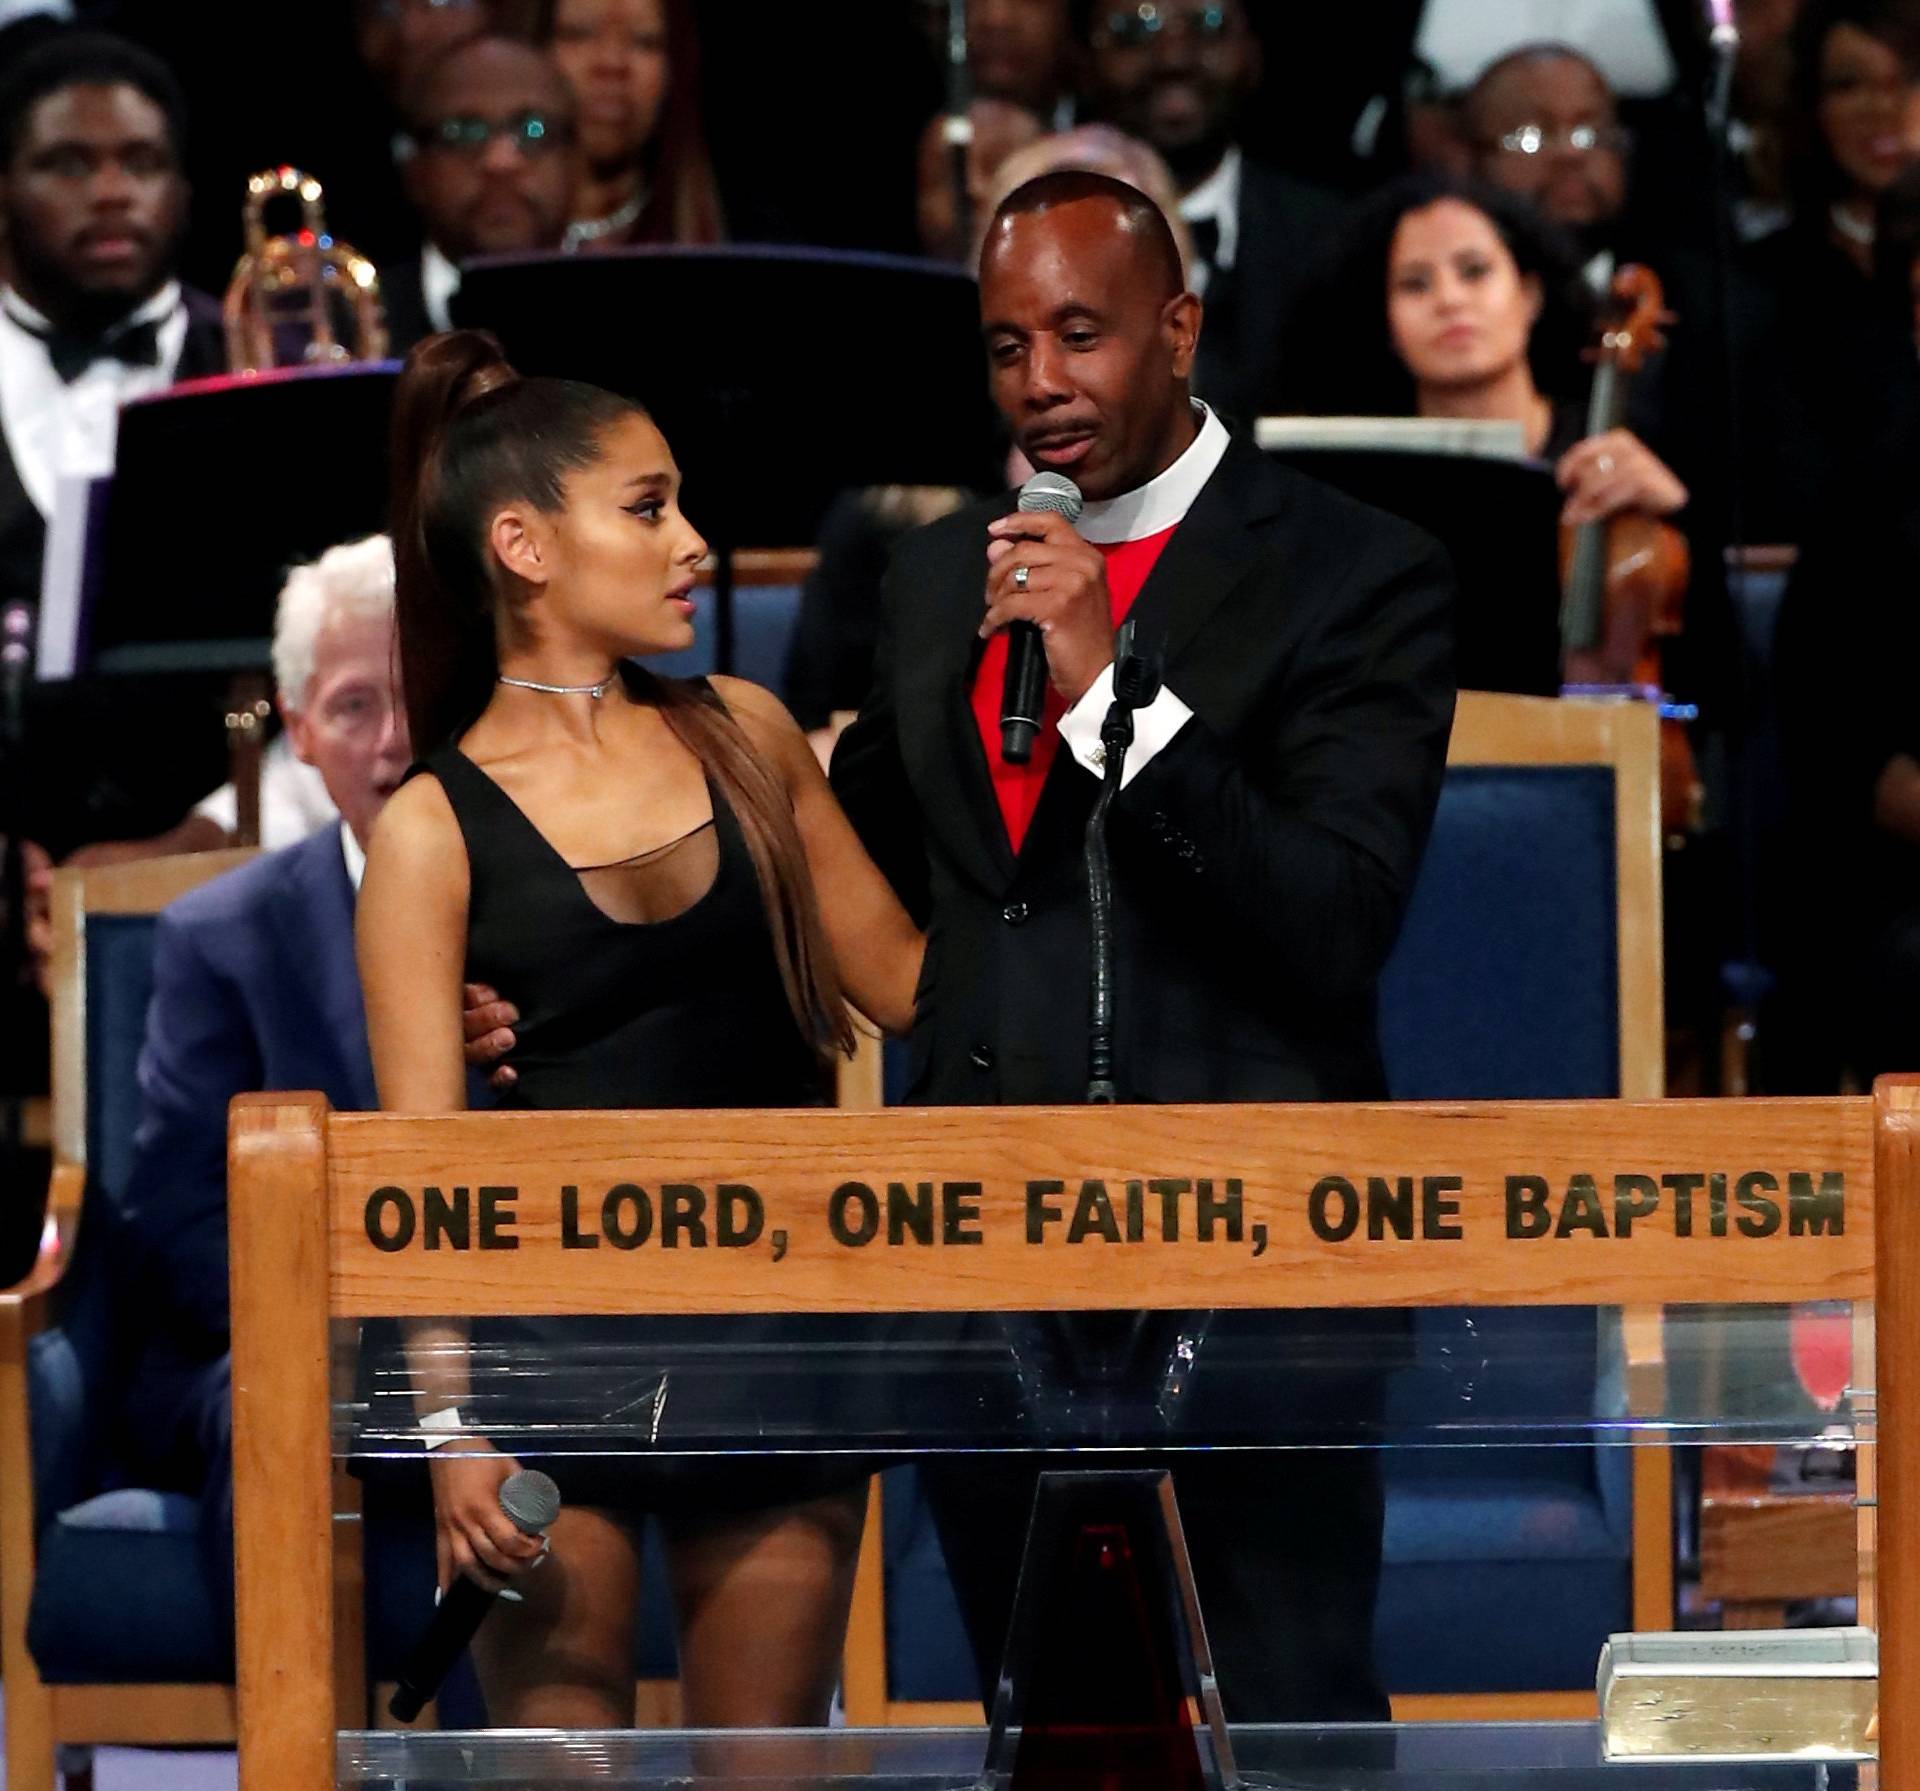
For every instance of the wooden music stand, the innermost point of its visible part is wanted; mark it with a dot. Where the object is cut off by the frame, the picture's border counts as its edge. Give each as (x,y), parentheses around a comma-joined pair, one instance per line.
(303,1183)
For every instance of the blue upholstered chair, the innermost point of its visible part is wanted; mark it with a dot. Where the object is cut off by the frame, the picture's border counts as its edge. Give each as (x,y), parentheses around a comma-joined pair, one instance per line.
(106,1663)
(1528,968)
(108,1628)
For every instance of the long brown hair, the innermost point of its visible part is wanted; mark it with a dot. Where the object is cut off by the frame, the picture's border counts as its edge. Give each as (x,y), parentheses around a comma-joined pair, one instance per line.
(469,434)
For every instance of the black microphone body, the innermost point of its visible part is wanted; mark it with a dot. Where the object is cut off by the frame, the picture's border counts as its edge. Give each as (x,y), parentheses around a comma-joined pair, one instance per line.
(1023,692)
(532,1501)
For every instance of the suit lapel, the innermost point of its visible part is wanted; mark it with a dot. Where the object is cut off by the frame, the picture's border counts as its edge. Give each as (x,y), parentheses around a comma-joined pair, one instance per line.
(1211,551)
(312,911)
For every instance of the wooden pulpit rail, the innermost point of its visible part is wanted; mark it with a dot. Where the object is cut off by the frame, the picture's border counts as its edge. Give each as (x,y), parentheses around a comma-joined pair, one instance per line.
(344,1215)
(970,1209)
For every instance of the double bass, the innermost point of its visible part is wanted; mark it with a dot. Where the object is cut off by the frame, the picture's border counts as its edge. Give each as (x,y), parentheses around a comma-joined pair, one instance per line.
(1624,579)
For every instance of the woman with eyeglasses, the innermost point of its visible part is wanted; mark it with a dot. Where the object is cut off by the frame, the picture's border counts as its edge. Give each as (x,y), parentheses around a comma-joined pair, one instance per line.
(656,871)
(634,67)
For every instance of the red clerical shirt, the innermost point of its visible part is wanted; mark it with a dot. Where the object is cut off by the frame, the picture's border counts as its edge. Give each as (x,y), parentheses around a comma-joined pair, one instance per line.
(1017,787)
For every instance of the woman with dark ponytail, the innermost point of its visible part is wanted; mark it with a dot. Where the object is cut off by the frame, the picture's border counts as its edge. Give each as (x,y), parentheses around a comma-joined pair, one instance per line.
(636,860)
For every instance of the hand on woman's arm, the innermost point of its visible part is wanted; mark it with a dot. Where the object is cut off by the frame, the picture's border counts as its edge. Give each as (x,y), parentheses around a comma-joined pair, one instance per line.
(1609,474)
(876,947)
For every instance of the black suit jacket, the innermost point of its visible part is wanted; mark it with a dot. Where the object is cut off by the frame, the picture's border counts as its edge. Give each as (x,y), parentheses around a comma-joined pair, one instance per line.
(403,300)
(1262,860)
(1286,232)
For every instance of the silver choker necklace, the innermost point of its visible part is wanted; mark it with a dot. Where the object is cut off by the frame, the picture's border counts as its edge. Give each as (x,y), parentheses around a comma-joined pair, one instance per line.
(592,690)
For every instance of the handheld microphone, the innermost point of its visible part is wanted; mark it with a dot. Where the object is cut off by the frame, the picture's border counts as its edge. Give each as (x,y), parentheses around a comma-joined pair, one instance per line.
(1024,691)
(532,1501)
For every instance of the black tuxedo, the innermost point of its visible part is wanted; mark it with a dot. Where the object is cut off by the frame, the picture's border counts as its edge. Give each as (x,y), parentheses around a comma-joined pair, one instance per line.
(1286,231)
(96,775)
(1262,861)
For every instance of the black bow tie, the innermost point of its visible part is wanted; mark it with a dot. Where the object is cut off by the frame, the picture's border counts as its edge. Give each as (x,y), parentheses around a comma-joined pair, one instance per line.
(136,346)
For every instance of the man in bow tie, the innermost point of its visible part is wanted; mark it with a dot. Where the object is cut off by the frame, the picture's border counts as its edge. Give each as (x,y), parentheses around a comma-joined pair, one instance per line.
(92,208)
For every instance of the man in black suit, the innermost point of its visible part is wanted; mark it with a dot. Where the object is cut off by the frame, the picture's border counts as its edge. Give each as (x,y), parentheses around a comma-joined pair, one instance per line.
(1179,74)
(1264,843)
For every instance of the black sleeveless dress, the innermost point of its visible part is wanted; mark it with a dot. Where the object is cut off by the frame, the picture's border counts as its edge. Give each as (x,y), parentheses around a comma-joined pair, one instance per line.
(648,983)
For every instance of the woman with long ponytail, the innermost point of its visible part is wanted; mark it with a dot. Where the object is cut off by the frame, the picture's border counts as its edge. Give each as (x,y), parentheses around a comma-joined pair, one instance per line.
(656,872)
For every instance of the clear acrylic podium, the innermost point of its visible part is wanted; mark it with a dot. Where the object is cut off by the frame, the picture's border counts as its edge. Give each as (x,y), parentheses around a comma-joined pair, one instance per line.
(908,1284)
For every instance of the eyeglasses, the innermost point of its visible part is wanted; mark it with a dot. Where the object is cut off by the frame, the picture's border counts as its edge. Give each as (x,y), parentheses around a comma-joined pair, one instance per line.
(531,133)
(1582,139)
(1138,26)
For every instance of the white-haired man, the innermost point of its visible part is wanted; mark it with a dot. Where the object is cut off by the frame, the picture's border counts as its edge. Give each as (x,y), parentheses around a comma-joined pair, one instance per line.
(332,664)
(254,989)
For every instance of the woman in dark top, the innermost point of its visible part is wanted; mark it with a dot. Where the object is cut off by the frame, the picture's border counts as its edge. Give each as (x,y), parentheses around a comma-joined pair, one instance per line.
(636,859)
(1455,300)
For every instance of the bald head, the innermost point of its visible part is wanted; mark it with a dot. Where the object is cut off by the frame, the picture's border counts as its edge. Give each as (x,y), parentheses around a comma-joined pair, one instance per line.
(1089,335)
(1138,226)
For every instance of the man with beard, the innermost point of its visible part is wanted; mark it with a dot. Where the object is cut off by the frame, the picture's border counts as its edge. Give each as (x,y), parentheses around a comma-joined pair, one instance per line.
(92,207)
(1542,123)
(1178,73)
(492,166)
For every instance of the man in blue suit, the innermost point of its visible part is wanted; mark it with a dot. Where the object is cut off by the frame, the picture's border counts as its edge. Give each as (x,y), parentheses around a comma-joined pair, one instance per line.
(254,988)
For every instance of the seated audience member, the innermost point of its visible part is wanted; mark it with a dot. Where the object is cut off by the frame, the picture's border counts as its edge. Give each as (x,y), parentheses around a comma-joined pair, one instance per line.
(492,170)
(1023,52)
(344,599)
(1817,355)
(634,67)
(92,208)
(254,988)
(1177,74)
(1542,123)
(1459,302)
(999,128)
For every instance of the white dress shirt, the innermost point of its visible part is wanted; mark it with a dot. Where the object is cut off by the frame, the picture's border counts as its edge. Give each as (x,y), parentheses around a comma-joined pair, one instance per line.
(1216,201)
(1149,509)
(56,431)
(1623,38)
(439,281)
(355,855)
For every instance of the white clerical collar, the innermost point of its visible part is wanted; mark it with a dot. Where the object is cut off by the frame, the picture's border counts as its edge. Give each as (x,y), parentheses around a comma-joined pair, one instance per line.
(439,281)
(1164,500)
(355,854)
(29,317)
(1218,198)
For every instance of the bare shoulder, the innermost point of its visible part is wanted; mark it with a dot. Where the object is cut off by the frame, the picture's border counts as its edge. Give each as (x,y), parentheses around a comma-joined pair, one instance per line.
(417,832)
(765,720)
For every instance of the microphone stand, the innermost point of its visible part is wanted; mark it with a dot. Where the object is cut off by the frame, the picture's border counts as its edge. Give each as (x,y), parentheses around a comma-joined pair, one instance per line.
(1136,682)
(16,672)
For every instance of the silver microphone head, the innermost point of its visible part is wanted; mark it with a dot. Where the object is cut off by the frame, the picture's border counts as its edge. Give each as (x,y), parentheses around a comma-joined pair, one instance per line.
(531,1499)
(1053,491)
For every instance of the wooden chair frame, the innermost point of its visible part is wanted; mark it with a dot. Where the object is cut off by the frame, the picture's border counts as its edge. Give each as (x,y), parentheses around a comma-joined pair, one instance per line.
(42,1717)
